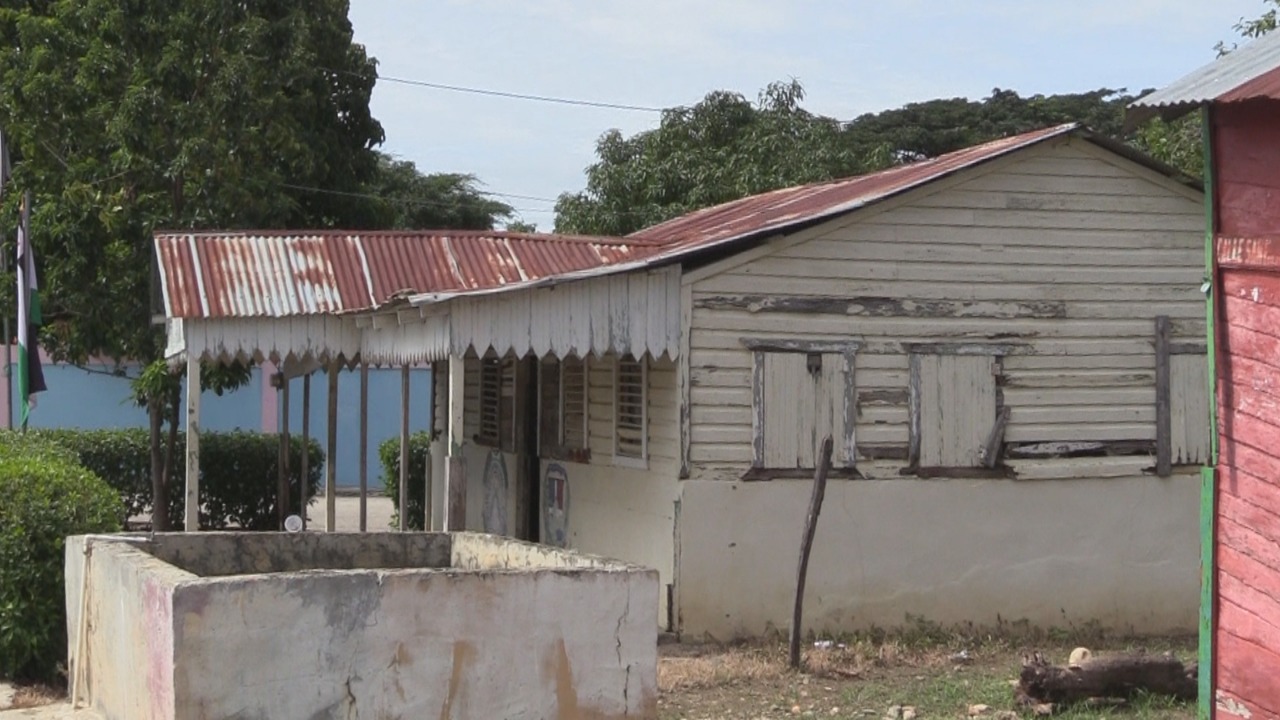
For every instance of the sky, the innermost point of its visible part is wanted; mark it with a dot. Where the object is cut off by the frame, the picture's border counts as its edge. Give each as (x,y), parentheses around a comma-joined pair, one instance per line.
(852,56)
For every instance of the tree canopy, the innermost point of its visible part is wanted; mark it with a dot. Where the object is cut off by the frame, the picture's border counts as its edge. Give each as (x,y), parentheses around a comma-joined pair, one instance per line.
(404,198)
(727,147)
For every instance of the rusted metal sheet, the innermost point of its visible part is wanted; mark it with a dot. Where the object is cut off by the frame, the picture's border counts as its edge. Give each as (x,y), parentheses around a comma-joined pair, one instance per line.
(1248,73)
(788,207)
(281,274)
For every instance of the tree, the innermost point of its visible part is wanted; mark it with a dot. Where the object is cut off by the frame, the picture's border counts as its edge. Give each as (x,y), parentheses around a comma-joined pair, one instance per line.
(721,149)
(725,148)
(129,117)
(408,199)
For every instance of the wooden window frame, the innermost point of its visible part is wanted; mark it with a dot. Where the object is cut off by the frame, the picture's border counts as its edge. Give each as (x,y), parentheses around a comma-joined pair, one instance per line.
(992,449)
(557,448)
(848,445)
(620,458)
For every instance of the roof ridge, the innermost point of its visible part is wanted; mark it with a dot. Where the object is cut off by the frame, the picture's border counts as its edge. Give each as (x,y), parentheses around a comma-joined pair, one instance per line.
(433,233)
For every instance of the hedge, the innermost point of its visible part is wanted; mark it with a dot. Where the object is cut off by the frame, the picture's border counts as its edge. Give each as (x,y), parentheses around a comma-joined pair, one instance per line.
(47,497)
(238,472)
(389,455)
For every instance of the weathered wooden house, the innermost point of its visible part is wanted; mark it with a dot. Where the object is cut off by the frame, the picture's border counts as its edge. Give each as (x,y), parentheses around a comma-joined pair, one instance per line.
(1006,342)
(1238,97)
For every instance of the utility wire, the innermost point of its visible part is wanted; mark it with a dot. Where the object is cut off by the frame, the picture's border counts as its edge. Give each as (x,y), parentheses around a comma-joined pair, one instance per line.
(406,200)
(504,94)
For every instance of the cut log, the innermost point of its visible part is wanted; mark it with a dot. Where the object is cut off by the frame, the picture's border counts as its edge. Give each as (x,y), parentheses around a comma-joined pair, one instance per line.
(1109,677)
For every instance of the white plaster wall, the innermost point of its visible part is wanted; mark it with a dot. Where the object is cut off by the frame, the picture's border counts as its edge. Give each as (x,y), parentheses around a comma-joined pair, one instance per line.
(488,644)
(1121,551)
(126,665)
(625,514)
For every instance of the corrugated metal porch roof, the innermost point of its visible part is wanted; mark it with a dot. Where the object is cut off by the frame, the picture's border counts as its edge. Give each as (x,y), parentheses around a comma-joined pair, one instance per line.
(280,274)
(1248,73)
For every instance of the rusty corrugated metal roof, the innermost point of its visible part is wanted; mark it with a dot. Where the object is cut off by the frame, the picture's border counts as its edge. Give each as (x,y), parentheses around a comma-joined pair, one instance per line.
(279,274)
(1247,73)
(276,274)
(787,207)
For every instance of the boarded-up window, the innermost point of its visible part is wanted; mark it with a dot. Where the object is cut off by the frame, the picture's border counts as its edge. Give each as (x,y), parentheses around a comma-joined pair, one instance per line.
(957,408)
(497,403)
(800,399)
(562,423)
(573,389)
(630,409)
(1189,408)
(490,394)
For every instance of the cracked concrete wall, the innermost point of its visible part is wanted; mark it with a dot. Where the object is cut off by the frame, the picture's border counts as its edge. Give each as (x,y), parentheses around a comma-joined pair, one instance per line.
(126,667)
(1120,551)
(557,636)
(449,644)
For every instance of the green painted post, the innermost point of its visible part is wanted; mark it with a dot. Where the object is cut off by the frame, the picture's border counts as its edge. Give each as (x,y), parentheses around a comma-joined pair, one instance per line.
(1208,496)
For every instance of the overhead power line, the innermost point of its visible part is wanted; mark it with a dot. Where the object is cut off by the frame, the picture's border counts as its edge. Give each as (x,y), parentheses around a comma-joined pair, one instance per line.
(509,95)
(424,202)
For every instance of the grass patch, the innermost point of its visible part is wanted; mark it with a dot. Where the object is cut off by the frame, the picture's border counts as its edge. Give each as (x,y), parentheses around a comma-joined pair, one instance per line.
(939,672)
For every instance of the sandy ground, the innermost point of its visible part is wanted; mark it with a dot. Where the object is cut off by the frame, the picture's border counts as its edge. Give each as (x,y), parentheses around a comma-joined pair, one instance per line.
(347,513)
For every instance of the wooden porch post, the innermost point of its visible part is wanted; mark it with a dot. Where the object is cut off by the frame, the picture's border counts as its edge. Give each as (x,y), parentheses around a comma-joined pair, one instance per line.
(282,488)
(364,445)
(306,445)
(455,476)
(193,443)
(404,448)
(331,458)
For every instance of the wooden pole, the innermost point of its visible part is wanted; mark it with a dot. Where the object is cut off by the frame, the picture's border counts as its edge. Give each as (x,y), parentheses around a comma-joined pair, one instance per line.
(1164,419)
(331,459)
(806,544)
(193,443)
(364,445)
(404,448)
(282,490)
(306,446)
(428,506)
(455,475)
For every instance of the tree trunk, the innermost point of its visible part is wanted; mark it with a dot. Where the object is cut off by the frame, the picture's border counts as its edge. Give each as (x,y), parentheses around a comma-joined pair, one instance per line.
(171,442)
(1112,676)
(159,480)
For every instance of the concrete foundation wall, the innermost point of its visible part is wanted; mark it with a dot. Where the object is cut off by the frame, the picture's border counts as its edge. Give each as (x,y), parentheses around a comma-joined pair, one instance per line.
(510,630)
(1121,551)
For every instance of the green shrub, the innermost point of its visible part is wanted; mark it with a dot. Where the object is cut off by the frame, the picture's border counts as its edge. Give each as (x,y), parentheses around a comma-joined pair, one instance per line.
(238,472)
(46,497)
(389,455)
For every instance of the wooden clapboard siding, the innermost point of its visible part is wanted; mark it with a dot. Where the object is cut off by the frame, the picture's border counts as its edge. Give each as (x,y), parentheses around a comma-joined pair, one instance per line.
(1247,145)
(1065,256)
(1247,557)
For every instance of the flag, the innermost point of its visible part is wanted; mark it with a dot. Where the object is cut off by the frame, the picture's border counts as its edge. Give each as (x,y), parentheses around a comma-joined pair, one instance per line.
(30,375)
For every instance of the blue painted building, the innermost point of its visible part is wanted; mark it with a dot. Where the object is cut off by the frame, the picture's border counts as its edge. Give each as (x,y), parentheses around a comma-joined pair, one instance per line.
(93,398)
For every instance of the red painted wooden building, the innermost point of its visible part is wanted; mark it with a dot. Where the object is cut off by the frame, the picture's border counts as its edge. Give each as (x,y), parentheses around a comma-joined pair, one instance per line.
(1238,97)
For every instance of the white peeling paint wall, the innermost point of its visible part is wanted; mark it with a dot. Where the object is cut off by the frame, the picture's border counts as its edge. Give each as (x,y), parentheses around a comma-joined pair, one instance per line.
(613,510)
(1122,551)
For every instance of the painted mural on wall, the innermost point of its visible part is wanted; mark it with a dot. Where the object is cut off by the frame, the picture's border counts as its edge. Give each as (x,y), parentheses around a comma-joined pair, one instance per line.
(555,508)
(495,494)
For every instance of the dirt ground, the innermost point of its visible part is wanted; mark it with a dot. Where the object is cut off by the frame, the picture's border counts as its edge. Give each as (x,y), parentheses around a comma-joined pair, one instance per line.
(871,680)
(864,678)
